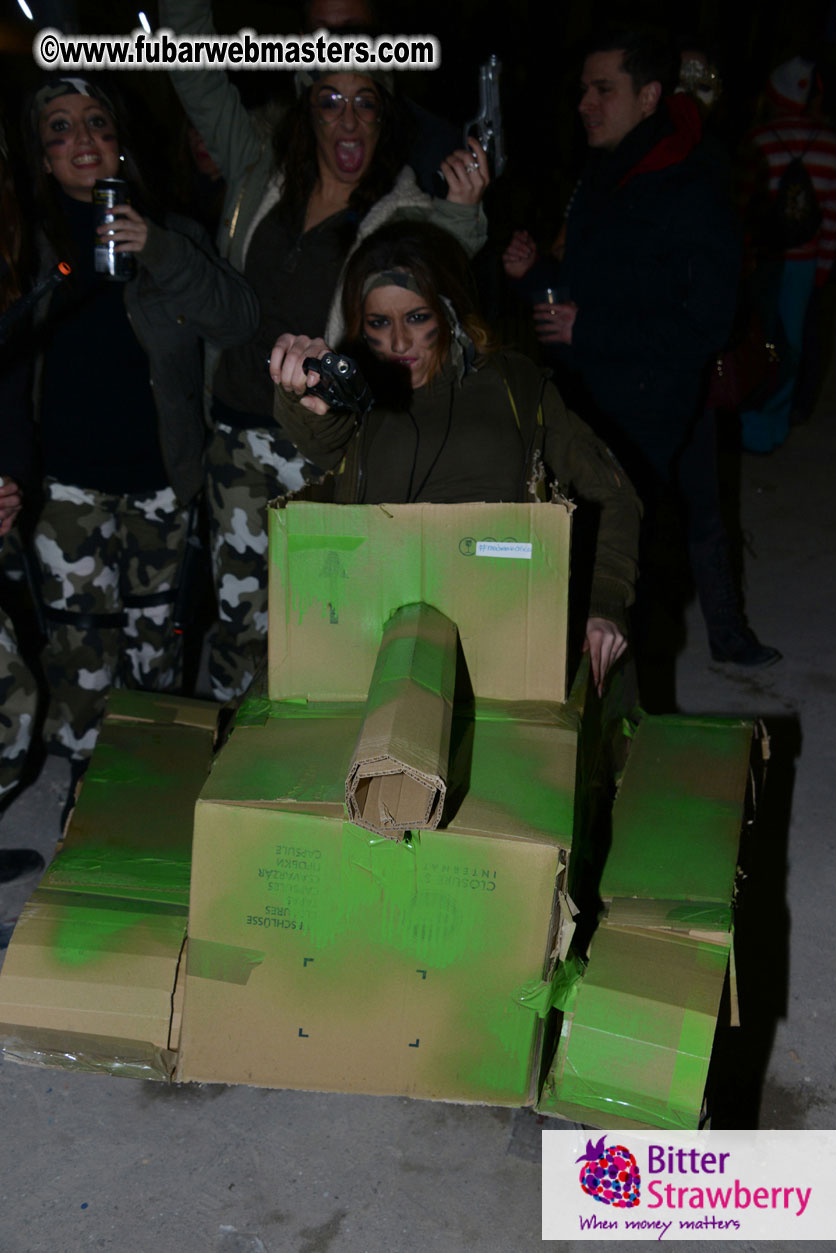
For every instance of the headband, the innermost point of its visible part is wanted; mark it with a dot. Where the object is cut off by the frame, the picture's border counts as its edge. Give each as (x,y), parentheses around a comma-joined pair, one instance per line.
(462,350)
(392,278)
(67,87)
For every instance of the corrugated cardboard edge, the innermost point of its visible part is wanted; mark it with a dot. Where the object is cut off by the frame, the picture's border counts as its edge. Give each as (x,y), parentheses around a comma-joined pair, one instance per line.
(406,726)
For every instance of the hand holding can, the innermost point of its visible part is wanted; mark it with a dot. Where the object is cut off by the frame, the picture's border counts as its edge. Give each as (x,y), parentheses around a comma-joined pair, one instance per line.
(108,194)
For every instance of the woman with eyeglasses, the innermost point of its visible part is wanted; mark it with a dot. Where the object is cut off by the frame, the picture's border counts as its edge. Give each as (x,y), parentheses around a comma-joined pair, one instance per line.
(298,203)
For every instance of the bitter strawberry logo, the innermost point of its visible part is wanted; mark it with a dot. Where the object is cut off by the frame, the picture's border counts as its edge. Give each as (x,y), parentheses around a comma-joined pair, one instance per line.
(610,1174)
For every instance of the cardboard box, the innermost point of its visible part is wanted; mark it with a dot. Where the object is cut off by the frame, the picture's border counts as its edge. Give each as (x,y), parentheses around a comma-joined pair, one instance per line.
(635,1050)
(338,572)
(322,957)
(90,978)
(678,813)
(638,1030)
(397,780)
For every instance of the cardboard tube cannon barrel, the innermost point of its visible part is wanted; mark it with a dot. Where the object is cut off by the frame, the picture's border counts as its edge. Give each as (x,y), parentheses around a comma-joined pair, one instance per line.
(398,776)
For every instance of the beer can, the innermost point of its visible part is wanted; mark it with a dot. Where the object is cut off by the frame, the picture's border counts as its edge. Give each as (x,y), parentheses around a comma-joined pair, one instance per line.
(118,267)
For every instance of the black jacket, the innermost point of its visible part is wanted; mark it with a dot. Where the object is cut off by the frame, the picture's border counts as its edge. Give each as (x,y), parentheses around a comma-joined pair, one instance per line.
(652,262)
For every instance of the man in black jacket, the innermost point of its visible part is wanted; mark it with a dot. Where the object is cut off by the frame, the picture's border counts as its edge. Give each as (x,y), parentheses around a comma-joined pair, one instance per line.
(652,258)
(647,294)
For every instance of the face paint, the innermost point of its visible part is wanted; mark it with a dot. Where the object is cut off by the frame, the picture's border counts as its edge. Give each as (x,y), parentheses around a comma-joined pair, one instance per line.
(80,144)
(402,328)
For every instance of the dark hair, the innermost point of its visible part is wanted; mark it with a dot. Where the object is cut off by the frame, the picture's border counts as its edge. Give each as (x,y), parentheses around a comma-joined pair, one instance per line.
(647,57)
(46,198)
(295,149)
(369,18)
(12,235)
(440,267)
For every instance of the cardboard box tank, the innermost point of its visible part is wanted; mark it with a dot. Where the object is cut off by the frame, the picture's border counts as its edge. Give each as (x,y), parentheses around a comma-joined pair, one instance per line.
(417,684)
(397,956)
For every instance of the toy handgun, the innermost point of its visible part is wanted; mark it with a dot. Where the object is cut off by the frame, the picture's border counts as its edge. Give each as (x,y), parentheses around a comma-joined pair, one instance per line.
(341,385)
(488,122)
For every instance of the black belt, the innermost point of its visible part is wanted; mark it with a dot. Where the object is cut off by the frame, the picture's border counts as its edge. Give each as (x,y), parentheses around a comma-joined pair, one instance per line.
(90,621)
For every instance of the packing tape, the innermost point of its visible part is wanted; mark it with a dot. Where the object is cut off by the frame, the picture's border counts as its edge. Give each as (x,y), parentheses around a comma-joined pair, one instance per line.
(560,992)
(129,1059)
(228,963)
(584,1075)
(685,916)
(547,713)
(104,900)
(101,869)
(255,710)
(587,1098)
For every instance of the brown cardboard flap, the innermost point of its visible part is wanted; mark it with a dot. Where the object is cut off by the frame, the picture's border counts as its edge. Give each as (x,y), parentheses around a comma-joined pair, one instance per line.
(338,572)
(124,705)
(397,780)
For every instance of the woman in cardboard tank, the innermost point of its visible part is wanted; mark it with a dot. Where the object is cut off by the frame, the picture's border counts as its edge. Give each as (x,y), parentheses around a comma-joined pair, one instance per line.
(455,418)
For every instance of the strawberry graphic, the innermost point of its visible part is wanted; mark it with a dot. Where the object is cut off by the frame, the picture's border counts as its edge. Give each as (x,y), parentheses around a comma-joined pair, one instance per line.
(610,1174)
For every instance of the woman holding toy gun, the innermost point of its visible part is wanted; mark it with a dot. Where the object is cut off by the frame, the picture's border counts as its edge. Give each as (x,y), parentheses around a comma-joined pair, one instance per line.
(298,202)
(120,410)
(455,420)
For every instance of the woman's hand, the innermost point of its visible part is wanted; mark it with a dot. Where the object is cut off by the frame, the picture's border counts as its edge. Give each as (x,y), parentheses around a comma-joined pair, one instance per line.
(520,255)
(11,501)
(553,324)
(286,371)
(128,230)
(605,643)
(467,174)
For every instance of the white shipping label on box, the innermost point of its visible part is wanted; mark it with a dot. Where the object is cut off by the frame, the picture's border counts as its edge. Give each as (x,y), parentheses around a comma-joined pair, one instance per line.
(504,548)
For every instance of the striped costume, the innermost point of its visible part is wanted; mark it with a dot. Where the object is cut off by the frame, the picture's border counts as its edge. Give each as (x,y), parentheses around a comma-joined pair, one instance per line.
(772,146)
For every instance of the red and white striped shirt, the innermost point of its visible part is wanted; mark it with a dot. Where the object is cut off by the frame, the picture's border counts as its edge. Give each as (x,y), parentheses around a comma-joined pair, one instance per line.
(777,143)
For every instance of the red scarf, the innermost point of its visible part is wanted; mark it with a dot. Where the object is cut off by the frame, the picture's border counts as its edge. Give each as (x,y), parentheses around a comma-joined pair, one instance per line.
(674,148)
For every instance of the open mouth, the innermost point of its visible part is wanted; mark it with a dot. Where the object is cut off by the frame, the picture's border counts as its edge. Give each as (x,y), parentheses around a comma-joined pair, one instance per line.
(87,158)
(349,155)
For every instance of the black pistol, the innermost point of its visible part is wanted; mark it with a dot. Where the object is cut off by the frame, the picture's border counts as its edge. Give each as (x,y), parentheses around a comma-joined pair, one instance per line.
(341,385)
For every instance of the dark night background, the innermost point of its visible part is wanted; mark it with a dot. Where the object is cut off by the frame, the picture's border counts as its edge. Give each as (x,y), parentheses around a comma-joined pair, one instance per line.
(537,42)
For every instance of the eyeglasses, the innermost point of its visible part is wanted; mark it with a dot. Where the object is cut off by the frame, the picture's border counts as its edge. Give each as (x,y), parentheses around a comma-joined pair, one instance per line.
(331,105)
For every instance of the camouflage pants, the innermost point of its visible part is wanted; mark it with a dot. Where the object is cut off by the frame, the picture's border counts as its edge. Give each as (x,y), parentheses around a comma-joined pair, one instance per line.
(101,557)
(18,706)
(244,470)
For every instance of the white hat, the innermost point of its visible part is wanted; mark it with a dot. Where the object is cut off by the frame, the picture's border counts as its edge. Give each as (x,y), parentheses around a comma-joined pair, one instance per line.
(791,82)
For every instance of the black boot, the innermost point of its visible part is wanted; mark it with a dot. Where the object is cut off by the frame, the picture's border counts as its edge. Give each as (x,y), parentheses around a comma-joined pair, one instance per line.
(730,637)
(739,645)
(17,862)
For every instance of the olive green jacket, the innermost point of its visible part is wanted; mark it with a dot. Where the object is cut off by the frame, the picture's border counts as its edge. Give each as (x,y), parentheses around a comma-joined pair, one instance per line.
(561,452)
